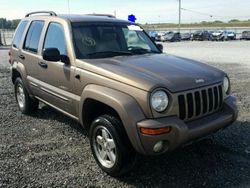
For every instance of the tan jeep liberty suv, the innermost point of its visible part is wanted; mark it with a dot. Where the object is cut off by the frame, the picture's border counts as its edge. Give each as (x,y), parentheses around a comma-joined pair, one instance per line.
(109,75)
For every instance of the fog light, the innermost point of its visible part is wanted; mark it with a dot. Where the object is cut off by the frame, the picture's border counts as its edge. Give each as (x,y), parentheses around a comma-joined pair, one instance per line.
(158,146)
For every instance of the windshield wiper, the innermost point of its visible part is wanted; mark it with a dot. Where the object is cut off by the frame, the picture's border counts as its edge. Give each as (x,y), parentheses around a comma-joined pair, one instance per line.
(108,53)
(141,51)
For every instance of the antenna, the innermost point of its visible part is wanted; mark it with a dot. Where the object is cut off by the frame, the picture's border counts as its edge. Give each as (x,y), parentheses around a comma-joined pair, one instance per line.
(179,28)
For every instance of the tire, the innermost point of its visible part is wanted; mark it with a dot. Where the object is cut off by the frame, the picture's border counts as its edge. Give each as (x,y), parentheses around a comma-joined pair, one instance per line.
(26,104)
(109,129)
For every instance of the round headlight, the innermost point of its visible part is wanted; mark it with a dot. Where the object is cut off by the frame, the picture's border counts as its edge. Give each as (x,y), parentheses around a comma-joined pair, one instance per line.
(226,84)
(159,101)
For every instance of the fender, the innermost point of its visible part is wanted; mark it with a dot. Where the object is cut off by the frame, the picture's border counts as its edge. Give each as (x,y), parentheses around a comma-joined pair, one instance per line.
(20,68)
(125,105)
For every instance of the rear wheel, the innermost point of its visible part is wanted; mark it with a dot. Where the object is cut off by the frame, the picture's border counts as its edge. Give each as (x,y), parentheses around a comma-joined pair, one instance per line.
(110,146)
(25,103)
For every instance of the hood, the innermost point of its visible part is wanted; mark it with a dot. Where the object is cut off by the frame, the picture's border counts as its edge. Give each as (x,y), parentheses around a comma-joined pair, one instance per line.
(198,34)
(217,33)
(149,71)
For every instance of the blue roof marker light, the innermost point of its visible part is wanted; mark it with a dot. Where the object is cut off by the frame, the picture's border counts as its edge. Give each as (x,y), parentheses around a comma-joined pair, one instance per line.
(131,18)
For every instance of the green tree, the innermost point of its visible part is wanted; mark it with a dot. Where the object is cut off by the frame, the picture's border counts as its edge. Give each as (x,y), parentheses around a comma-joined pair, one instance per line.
(8,24)
(218,21)
(233,21)
(15,23)
(2,23)
(204,22)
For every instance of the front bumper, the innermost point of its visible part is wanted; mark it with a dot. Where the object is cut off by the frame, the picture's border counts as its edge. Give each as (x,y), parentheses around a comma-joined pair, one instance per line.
(183,132)
(197,38)
(219,37)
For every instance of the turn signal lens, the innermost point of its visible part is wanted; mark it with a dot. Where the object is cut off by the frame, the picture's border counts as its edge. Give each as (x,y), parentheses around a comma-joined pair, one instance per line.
(155,131)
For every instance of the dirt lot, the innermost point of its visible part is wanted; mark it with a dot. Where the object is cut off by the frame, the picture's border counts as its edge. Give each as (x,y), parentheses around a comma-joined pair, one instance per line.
(49,149)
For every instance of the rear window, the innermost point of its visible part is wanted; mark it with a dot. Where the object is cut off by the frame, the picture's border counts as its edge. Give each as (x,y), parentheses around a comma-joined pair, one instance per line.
(19,33)
(33,36)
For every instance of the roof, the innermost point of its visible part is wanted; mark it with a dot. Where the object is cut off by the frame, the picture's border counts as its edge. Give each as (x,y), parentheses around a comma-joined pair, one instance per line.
(78,18)
(91,18)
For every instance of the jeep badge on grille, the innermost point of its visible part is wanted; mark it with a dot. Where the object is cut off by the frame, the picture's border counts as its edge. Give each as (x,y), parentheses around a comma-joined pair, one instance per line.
(199,81)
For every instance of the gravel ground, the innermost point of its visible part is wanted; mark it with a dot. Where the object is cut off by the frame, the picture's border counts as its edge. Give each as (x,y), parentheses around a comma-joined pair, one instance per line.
(49,149)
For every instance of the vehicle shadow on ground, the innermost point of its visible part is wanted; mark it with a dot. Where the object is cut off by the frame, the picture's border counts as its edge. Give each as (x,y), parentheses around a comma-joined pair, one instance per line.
(205,163)
(48,113)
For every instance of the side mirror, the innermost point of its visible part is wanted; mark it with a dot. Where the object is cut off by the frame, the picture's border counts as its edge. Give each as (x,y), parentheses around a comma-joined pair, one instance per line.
(65,59)
(153,38)
(51,54)
(160,46)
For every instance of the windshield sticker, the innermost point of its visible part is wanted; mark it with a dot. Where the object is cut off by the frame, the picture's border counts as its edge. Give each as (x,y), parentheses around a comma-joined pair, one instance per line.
(87,41)
(134,28)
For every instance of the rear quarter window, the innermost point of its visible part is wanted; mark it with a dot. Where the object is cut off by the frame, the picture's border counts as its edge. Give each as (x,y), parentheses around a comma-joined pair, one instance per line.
(19,33)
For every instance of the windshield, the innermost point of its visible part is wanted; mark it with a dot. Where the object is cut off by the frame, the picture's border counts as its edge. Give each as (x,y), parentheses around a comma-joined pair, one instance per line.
(107,40)
(198,32)
(169,35)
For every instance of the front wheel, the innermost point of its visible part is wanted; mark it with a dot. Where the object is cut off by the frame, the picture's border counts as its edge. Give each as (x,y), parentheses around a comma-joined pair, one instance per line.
(25,103)
(110,146)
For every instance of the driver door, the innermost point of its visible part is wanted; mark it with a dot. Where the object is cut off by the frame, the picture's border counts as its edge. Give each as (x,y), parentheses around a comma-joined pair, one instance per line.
(57,77)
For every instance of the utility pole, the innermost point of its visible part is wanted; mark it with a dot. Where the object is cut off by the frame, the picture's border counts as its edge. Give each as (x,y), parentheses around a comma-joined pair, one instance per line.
(0,34)
(68,8)
(179,16)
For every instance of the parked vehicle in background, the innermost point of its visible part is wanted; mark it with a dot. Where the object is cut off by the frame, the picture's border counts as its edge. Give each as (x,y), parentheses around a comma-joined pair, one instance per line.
(245,35)
(201,35)
(210,34)
(230,35)
(152,34)
(218,36)
(186,36)
(159,36)
(171,37)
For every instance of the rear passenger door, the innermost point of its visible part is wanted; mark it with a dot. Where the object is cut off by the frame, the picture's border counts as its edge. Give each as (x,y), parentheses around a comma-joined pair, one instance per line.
(57,77)
(29,54)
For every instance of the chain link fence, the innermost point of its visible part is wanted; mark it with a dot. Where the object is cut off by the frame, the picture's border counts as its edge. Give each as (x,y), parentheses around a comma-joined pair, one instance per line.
(237,30)
(6,37)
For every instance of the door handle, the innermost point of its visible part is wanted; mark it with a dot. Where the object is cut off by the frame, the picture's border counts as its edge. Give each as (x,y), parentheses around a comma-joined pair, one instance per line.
(43,65)
(77,76)
(22,57)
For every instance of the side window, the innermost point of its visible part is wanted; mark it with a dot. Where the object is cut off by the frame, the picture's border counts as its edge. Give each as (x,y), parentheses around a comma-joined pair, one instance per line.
(19,34)
(55,38)
(33,36)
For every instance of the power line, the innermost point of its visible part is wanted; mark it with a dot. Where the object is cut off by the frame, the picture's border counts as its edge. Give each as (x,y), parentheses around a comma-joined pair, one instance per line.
(68,8)
(197,12)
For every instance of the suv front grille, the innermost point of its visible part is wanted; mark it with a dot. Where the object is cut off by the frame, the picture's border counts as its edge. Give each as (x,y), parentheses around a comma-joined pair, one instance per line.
(199,103)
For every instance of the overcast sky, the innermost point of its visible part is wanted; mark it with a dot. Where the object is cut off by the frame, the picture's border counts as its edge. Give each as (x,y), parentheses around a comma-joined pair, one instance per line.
(145,11)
